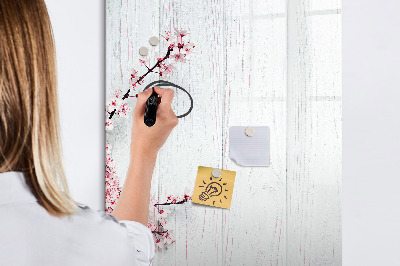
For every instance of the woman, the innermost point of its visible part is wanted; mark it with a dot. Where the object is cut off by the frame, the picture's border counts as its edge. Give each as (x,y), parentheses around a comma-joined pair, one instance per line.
(40,224)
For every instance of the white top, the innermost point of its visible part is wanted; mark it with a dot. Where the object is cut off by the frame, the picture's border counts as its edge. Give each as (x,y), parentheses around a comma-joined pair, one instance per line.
(31,236)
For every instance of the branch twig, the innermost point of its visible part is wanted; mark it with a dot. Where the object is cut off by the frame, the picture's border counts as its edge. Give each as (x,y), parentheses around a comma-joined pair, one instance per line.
(171,203)
(126,95)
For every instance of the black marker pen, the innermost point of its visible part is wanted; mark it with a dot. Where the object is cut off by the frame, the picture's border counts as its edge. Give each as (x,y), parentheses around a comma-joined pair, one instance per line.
(151,109)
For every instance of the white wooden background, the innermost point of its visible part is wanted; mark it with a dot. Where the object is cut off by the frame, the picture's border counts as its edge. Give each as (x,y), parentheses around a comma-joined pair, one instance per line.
(273,63)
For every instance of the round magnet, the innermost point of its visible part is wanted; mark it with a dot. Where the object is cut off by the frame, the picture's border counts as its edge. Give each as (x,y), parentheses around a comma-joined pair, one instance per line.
(143,51)
(250,131)
(216,173)
(153,40)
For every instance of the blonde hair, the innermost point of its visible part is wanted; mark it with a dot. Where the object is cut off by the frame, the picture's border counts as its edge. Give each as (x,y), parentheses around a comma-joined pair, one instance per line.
(29,119)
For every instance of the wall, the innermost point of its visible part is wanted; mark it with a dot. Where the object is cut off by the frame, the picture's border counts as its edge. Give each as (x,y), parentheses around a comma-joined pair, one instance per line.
(371,128)
(273,63)
(370,159)
(79,34)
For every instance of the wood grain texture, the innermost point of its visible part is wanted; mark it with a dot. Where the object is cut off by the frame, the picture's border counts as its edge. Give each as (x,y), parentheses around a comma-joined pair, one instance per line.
(313,135)
(272,63)
(254,227)
(197,140)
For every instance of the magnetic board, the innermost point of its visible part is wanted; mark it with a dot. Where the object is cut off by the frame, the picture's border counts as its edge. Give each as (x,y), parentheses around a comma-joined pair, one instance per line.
(268,63)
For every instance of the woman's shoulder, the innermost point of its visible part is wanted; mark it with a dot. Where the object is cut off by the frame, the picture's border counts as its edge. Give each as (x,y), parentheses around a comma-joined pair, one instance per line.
(98,220)
(85,212)
(99,227)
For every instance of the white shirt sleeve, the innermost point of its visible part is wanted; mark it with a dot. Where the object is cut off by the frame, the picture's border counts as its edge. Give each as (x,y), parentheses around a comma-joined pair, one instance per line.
(140,236)
(142,239)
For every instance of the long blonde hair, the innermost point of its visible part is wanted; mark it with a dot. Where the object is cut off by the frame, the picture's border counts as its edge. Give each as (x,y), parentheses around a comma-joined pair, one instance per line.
(29,118)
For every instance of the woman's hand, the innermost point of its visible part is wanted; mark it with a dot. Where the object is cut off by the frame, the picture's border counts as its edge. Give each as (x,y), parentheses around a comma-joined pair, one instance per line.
(148,140)
(133,203)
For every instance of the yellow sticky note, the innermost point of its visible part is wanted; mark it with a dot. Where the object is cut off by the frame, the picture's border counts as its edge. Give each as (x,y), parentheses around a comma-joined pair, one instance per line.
(212,191)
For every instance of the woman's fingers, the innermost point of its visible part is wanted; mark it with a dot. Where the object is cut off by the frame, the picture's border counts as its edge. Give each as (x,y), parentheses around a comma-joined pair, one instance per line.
(167,95)
(164,109)
(141,102)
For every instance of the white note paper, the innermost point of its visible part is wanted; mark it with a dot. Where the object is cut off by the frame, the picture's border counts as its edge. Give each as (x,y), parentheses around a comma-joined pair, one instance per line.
(249,151)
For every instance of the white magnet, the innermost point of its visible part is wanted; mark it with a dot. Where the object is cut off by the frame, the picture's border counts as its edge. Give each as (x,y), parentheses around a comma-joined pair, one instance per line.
(143,51)
(153,40)
(216,173)
(250,131)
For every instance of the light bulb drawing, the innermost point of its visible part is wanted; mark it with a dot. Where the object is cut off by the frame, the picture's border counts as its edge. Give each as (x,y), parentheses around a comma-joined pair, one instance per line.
(213,189)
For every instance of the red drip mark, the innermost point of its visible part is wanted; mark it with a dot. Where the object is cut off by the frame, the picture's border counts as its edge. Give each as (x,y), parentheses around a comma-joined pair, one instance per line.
(216,233)
(227,240)
(249,80)
(204,223)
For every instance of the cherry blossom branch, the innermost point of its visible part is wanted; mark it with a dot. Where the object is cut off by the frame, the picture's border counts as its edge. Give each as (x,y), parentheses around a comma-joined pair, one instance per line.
(159,233)
(186,199)
(177,51)
(149,70)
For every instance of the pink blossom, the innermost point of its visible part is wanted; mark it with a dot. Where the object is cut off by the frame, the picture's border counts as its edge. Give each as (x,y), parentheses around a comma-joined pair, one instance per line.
(167,35)
(179,57)
(113,189)
(168,240)
(145,61)
(188,47)
(133,81)
(117,93)
(134,74)
(124,110)
(180,33)
(113,103)
(167,70)
(108,150)
(159,213)
(109,125)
